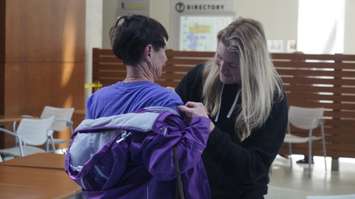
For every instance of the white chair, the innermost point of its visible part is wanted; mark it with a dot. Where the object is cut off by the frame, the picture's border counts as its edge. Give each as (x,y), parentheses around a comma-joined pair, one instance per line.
(29,134)
(62,121)
(306,119)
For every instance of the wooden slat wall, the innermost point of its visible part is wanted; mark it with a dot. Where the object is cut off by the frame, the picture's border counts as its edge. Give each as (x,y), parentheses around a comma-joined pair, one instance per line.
(326,81)
(107,69)
(179,63)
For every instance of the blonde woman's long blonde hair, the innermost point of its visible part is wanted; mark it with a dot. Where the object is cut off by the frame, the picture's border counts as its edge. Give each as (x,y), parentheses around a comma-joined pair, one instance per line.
(259,79)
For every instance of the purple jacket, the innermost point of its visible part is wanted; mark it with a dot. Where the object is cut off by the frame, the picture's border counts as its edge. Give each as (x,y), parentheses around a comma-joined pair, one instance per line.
(130,156)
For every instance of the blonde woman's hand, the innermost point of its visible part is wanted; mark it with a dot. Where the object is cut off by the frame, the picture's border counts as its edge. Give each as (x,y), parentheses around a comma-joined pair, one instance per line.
(195,109)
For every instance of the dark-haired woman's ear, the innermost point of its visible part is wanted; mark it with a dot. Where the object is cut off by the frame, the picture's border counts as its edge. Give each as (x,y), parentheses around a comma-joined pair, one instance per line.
(148,51)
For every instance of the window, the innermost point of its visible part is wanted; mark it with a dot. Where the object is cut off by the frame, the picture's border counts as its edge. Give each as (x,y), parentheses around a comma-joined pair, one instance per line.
(321,26)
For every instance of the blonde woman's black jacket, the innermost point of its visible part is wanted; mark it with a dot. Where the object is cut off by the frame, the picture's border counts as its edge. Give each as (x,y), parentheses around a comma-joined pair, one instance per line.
(237,170)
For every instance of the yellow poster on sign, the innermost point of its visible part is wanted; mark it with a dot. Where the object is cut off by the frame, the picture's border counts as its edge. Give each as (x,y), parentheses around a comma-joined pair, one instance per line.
(95,85)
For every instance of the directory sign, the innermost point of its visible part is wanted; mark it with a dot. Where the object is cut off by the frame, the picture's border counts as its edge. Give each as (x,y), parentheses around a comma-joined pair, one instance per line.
(195,23)
(199,33)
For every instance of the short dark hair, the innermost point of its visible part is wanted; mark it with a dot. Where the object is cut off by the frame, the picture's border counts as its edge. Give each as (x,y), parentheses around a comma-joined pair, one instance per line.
(131,34)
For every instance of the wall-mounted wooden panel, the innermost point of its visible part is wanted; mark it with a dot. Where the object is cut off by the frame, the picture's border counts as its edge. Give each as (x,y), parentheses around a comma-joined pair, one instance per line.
(2,62)
(45,30)
(44,55)
(38,84)
(2,54)
(45,43)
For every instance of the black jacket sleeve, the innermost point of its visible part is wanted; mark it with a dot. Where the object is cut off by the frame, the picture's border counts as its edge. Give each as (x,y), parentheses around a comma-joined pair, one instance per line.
(250,160)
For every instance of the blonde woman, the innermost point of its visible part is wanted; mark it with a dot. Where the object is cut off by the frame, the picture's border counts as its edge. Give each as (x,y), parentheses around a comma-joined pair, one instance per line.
(242,92)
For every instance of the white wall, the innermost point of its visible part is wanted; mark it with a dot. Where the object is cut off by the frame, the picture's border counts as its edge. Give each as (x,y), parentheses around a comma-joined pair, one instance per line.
(93,37)
(278,23)
(159,10)
(349,37)
(279,17)
(109,16)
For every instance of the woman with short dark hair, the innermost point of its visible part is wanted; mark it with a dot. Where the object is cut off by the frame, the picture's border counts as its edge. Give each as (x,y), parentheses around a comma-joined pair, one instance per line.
(164,163)
(139,42)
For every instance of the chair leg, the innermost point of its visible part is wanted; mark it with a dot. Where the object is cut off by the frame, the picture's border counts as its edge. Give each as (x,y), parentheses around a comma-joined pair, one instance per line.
(290,153)
(335,164)
(52,143)
(310,155)
(14,126)
(47,145)
(53,146)
(289,145)
(324,148)
(21,148)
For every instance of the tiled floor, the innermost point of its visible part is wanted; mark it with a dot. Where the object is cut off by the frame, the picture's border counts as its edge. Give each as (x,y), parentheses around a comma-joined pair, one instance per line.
(287,183)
